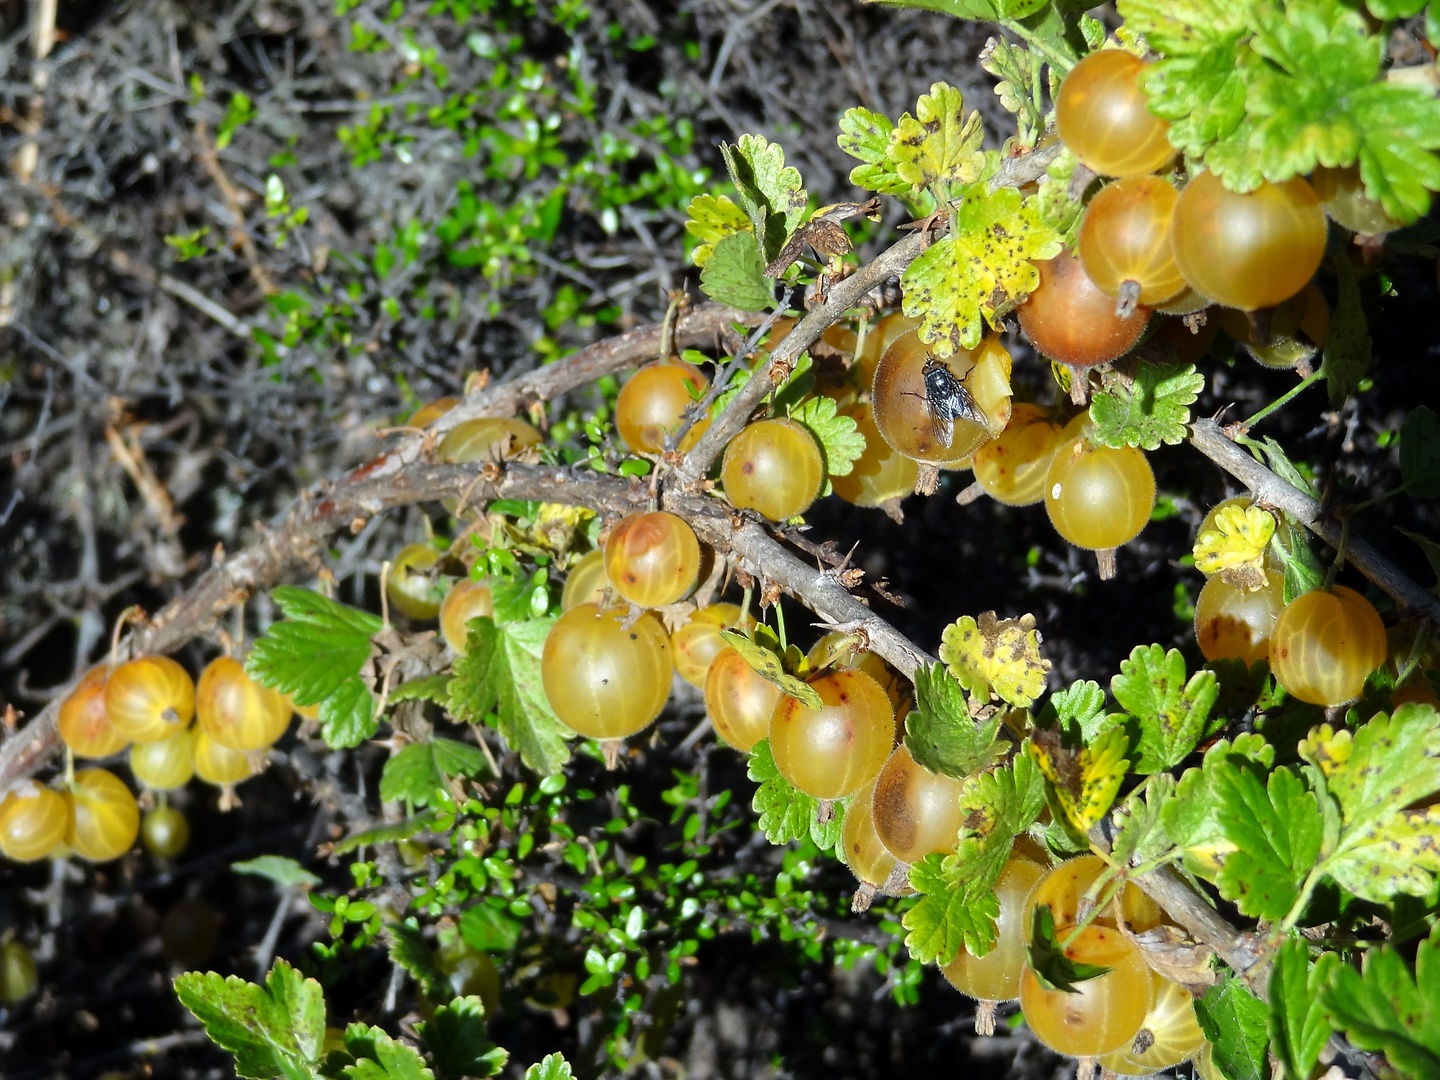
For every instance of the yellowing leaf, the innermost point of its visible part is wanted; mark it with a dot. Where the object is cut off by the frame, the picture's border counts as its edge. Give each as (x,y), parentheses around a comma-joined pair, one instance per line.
(1084,783)
(998,658)
(711,219)
(772,666)
(1237,540)
(940,142)
(978,272)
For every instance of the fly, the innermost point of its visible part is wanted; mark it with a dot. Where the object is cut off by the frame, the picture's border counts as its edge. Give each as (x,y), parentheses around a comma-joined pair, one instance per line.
(948,400)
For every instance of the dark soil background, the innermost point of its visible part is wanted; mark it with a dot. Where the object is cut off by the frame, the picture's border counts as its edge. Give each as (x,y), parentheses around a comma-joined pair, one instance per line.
(95,334)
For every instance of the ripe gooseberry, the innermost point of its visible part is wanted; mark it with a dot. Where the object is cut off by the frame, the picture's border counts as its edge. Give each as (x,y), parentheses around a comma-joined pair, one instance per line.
(467,599)
(1102,117)
(487,438)
(586,582)
(773,467)
(917,812)
(149,698)
(828,752)
(1125,238)
(697,641)
(1011,469)
(217,764)
(996,975)
(412,585)
(431,411)
(165,832)
(33,822)
(1342,193)
(1251,250)
(739,700)
(1168,1035)
(1069,319)
(881,473)
(652,405)
(167,764)
(105,819)
(1066,890)
(235,710)
(1105,1012)
(603,680)
(652,559)
(1098,497)
(83,723)
(1325,644)
(868,858)
(903,411)
(1235,623)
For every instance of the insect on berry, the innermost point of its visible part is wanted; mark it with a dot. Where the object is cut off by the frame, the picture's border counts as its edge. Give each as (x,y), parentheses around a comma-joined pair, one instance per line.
(948,400)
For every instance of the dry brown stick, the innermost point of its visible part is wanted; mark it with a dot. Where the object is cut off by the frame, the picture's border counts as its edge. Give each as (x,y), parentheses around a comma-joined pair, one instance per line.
(239,234)
(1267,488)
(42,40)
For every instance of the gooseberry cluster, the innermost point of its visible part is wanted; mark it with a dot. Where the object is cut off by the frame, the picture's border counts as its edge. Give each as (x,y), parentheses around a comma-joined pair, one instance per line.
(173,730)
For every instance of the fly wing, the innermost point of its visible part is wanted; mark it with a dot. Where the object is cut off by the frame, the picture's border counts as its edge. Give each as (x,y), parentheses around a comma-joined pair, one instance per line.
(944,426)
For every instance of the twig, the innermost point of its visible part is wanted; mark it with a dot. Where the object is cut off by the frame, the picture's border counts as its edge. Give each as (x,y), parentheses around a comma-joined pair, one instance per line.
(238,233)
(1207,437)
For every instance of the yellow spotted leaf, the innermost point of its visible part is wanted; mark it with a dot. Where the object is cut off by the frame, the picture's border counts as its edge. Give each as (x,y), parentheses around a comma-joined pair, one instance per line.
(774,666)
(997,658)
(711,219)
(1236,540)
(939,142)
(1084,782)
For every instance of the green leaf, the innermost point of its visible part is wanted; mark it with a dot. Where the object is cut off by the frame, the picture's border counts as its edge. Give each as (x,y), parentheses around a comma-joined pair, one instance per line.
(1386,1008)
(1298,1026)
(840,440)
(1395,9)
(939,143)
(710,219)
(315,655)
(866,135)
(785,813)
(497,681)
(1374,774)
(284,872)
(1048,960)
(770,191)
(1140,838)
(1150,409)
(489,929)
(735,274)
(417,770)
(554,1067)
(275,1029)
(390,834)
(948,916)
(1420,453)
(1060,210)
(1234,1021)
(981,269)
(459,1041)
(1019,87)
(1192,819)
(940,733)
(409,949)
(1345,356)
(379,1057)
(1079,711)
(1276,829)
(434,688)
(1171,712)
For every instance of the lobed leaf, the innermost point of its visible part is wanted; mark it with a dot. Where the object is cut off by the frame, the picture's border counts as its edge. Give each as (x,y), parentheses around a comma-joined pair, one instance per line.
(1297,1023)
(315,655)
(1171,712)
(939,143)
(710,219)
(274,1029)
(840,440)
(1234,1022)
(1150,409)
(786,813)
(734,274)
(554,1067)
(949,915)
(413,774)
(374,1055)
(771,192)
(1236,540)
(1084,782)
(1276,830)
(497,681)
(458,1040)
(996,658)
(984,267)
(1079,711)
(1387,1008)
(941,734)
